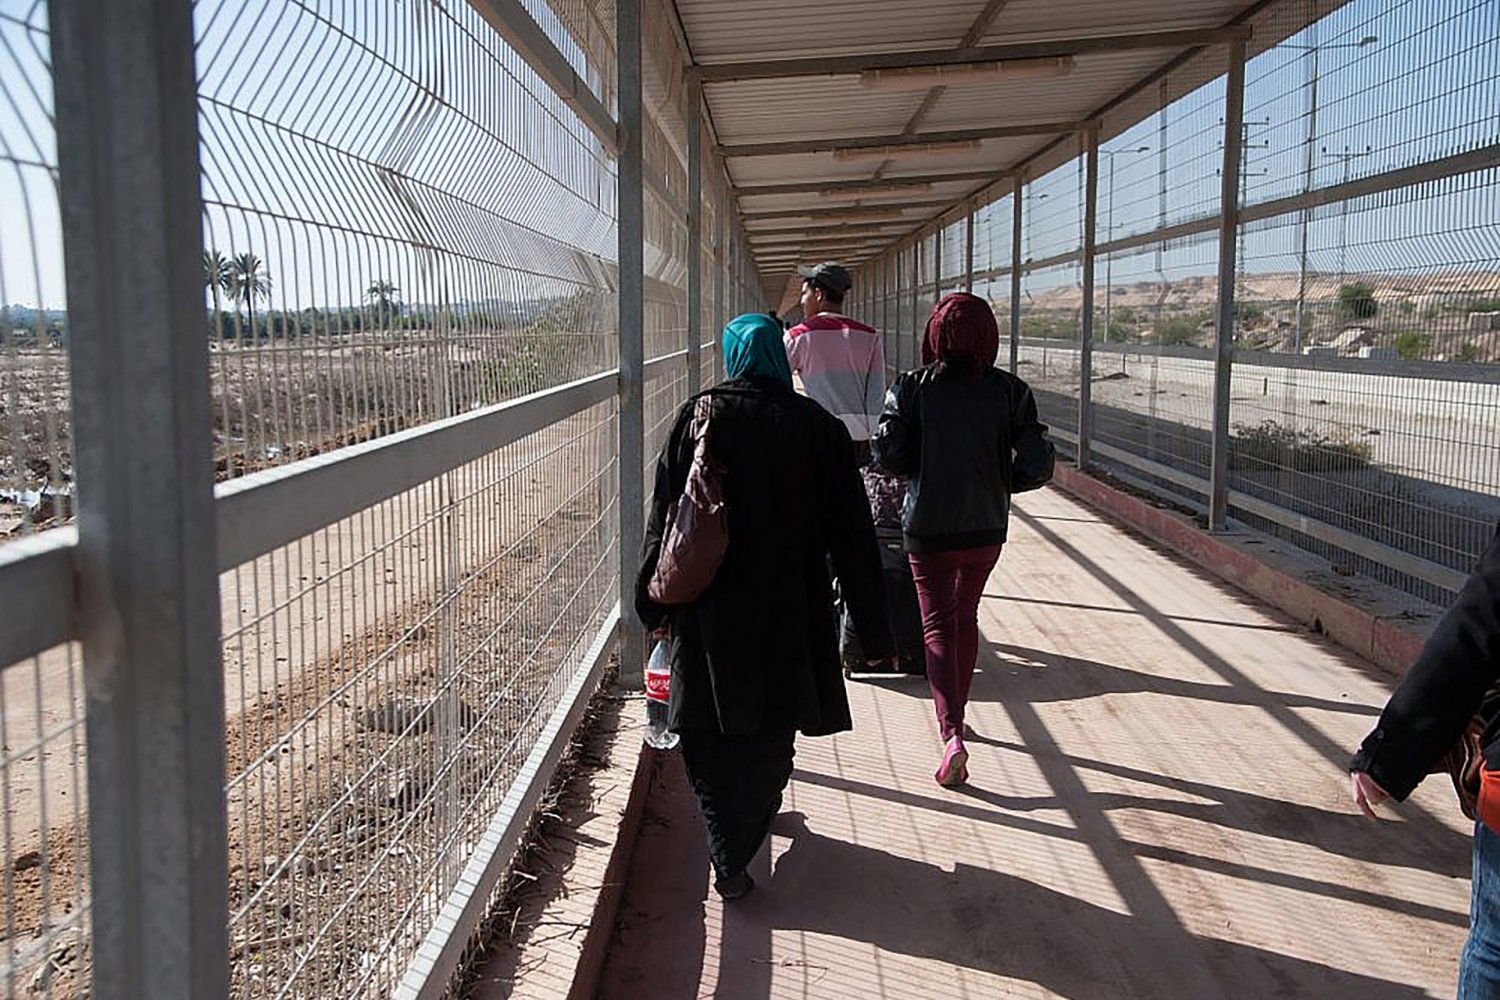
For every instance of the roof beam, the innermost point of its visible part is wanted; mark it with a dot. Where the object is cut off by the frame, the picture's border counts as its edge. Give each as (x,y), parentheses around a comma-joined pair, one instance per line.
(880,141)
(847,211)
(880,226)
(852,65)
(865,183)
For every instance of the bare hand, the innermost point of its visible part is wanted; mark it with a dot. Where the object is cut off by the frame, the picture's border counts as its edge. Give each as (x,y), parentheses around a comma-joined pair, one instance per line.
(1367,794)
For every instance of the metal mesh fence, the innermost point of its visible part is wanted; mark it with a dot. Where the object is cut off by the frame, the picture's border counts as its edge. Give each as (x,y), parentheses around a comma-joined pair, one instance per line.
(43,786)
(362,273)
(386,677)
(1367,317)
(404,228)
(36,466)
(387,245)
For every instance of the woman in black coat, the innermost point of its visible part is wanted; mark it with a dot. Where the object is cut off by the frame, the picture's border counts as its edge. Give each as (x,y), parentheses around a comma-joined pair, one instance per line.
(755,657)
(966,436)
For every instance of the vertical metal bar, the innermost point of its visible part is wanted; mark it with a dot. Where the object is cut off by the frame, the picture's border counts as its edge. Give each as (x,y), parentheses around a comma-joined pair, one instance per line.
(916,298)
(695,233)
(127,137)
(1305,215)
(885,299)
(969,250)
(1015,273)
(719,229)
(937,265)
(1234,114)
(1086,345)
(632,334)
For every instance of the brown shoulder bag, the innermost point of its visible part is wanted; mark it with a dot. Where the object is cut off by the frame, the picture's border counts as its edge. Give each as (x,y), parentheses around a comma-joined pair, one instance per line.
(697,529)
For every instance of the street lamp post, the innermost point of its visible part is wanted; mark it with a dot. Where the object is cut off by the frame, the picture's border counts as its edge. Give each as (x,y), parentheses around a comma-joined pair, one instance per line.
(1307,170)
(1109,231)
(1347,156)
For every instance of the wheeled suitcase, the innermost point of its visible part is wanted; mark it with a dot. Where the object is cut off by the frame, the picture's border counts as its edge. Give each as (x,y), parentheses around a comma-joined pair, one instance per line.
(887,495)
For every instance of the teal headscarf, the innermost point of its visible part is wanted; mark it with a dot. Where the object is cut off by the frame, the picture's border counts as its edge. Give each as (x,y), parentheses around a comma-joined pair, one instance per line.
(753,347)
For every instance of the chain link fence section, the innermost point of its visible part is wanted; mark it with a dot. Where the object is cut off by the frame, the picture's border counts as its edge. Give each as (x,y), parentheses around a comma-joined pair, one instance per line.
(403,224)
(1367,322)
(43,782)
(36,462)
(387,677)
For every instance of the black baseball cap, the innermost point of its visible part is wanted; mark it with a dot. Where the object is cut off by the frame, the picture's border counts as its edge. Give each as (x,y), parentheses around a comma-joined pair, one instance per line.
(828,275)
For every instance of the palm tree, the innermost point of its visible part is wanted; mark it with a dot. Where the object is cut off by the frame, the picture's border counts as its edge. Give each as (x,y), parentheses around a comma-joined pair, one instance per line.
(386,297)
(218,276)
(249,282)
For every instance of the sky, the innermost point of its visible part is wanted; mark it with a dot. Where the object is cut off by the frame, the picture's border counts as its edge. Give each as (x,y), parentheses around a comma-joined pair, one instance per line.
(347,141)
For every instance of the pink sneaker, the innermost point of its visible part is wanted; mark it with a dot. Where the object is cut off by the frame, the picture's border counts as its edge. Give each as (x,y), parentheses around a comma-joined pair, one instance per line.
(954,769)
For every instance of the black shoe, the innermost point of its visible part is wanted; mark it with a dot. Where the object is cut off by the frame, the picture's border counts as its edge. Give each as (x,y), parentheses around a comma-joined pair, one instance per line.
(735,886)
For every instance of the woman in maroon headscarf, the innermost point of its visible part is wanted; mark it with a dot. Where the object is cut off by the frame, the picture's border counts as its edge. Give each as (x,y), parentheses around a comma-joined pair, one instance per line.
(966,436)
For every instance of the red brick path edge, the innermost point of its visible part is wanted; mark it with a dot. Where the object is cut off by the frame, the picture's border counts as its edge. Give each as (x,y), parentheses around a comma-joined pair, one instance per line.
(1384,639)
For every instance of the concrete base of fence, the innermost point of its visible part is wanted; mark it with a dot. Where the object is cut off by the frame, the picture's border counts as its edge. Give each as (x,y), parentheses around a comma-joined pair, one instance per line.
(1378,623)
(566,920)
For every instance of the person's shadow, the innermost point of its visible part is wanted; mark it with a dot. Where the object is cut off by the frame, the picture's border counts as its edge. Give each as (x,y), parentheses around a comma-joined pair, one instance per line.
(999,924)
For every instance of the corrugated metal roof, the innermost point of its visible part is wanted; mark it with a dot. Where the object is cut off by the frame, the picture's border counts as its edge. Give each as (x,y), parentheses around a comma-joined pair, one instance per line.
(993,154)
(1033,20)
(771,110)
(1093,81)
(734,30)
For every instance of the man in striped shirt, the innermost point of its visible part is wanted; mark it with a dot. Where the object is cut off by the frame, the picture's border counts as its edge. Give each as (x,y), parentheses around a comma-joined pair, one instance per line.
(841,361)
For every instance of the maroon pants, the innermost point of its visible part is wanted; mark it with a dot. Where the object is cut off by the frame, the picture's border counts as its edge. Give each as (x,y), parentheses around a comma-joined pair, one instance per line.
(949,585)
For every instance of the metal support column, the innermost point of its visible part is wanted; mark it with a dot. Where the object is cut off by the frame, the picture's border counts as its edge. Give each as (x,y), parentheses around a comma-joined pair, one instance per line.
(632,333)
(885,302)
(695,233)
(1229,226)
(916,304)
(719,317)
(969,250)
(1015,273)
(937,265)
(148,586)
(1086,339)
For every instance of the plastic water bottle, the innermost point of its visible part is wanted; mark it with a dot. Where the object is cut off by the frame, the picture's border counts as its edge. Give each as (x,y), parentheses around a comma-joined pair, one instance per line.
(658,690)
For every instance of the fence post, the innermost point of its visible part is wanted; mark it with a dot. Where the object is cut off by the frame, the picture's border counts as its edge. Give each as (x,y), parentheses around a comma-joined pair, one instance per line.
(1015,273)
(127,144)
(916,299)
(632,334)
(969,250)
(938,264)
(695,232)
(1234,114)
(718,273)
(1086,345)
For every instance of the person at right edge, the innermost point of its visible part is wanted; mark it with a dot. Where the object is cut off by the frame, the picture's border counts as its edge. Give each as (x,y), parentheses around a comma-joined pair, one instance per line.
(1450,687)
(966,437)
(755,657)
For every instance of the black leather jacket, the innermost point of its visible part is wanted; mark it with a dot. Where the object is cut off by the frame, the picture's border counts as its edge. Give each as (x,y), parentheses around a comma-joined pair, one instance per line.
(1443,690)
(966,439)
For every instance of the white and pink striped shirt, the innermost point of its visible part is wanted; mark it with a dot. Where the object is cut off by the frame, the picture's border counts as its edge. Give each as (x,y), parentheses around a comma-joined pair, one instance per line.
(842,365)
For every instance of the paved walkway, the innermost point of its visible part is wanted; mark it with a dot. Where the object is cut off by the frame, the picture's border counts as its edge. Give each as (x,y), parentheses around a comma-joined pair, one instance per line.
(1157,809)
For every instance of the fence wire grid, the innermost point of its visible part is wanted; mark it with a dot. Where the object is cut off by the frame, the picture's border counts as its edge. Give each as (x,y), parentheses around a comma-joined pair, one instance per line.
(1367,288)
(402,225)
